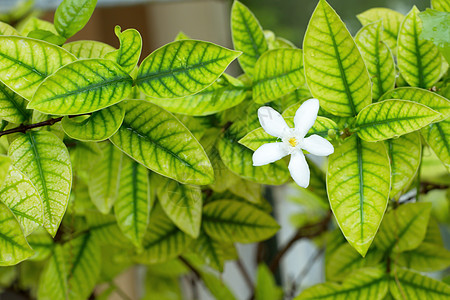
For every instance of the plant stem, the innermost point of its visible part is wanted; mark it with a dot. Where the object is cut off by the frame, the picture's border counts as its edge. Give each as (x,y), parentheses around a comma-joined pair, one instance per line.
(190,267)
(305,271)
(308,231)
(245,274)
(119,291)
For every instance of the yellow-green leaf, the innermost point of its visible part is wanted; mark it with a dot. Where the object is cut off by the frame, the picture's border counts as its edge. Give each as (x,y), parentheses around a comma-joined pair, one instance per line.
(392,118)
(71,16)
(370,283)
(132,206)
(425,97)
(248,36)
(182,203)
(405,284)
(88,49)
(20,195)
(6,29)
(334,69)
(156,139)
(437,136)
(404,228)
(378,58)
(12,106)
(99,126)
(277,73)
(53,280)
(211,251)
(442,5)
(234,221)
(104,177)
(24,55)
(44,158)
(419,60)
(94,84)
(182,68)
(127,56)
(14,247)
(405,154)
(358,184)
(391,21)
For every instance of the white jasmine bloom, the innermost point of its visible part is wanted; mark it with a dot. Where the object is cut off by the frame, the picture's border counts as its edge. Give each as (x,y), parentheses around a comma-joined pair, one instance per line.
(292,140)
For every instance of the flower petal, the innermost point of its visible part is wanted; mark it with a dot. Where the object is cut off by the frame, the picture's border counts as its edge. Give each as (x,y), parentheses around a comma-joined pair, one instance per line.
(306,116)
(299,169)
(317,145)
(269,153)
(272,122)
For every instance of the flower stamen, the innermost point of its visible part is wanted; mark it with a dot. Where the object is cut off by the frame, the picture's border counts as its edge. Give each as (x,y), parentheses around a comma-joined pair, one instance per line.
(293,141)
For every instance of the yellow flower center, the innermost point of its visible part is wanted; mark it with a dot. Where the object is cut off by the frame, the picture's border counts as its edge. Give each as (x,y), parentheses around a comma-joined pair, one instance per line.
(293,141)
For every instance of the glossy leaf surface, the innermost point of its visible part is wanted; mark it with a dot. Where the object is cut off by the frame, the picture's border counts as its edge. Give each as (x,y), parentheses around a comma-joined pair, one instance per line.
(20,195)
(378,58)
(182,203)
(12,106)
(88,49)
(30,69)
(94,84)
(277,73)
(392,118)
(71,16)
(437,136)
(248,36)
(99,126)
(156,139)
(127,56)
(44,158)
(182,68)
(132,207)
(358,184)
(334,69)
(419,60)
(233,221)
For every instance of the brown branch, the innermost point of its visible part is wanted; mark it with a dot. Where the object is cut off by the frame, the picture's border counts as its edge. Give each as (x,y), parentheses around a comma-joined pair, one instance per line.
(306,269)
(24,128)
(308,231)
(245,274)
(426,187)
(190,267)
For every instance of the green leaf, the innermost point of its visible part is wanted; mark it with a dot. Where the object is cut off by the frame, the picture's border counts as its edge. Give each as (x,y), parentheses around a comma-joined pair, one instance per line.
(127,56)
(369,282)
(53,280)
(425,97)
(345,260)
(6,29)
(47,36)
(20,195)
(104,177)
(30,69)
(212,251)
(436,30)
(14,247)
(94,84)
(442,5)
(378,58)
(216,286)
(248,190)
(248,36)
(437,136)
(234,221)
(409,285)
(182,68)
(132,206)
(404,228)
(71,16)
(105,231)
(33,23)
(266,288)
(44,158)
(88,49)
(405,154)
(277,73)
(182,204)
(5,163)
(391,21)
(100,126)
(334,68)
(12,106)
(392,118)
(220,96)
(238,159)
(42,244)
(83,260)
(163,240)
(358,183)
(419,60)
(156,139)
(258,137)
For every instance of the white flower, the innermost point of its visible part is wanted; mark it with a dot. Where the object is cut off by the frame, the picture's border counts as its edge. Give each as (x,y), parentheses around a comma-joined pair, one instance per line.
(292,140)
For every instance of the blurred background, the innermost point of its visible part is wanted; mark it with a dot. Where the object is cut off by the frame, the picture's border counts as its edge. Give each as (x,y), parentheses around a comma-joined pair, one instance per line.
(159,21)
